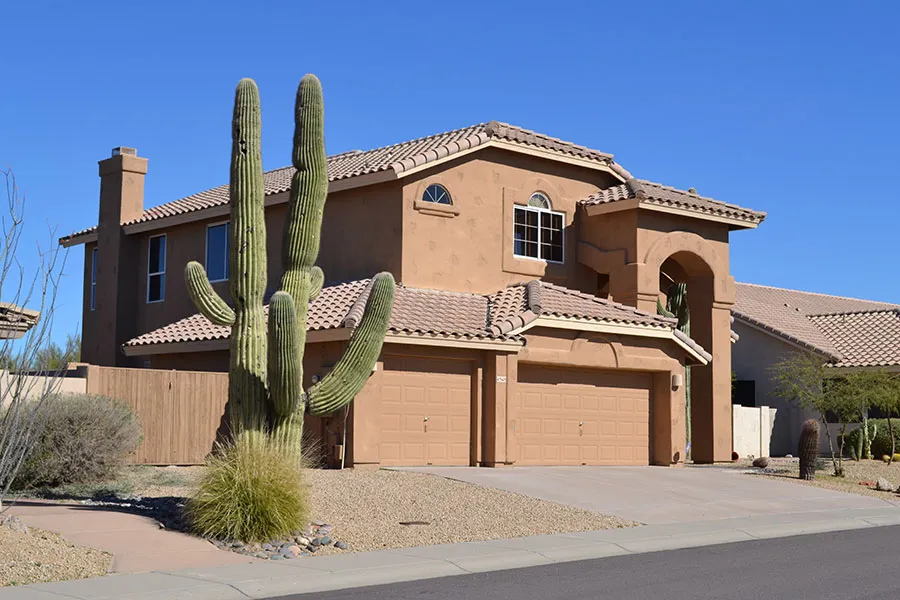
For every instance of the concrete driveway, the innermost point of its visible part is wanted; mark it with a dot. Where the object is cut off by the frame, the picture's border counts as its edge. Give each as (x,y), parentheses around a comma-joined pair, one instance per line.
(658,495)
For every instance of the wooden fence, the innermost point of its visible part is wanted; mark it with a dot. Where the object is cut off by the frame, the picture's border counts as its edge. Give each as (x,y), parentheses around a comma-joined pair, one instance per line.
(180,411)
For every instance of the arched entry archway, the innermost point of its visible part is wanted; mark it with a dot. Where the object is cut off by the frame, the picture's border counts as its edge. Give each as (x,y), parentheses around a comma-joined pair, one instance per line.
(686,257)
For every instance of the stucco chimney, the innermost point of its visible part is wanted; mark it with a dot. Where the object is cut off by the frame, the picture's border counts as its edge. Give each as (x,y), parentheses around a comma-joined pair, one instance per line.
(122,186)
(121,200)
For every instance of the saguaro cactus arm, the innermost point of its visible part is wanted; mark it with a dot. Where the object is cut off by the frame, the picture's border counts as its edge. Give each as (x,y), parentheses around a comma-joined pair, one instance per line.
(350,373)
(309,188)
(316,281)
(205,298)
(285,356)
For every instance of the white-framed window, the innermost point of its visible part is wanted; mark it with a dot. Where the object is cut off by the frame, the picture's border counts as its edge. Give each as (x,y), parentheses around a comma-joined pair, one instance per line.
(217,245)
(538,230)
(437,194)
(156,268)
(94,279)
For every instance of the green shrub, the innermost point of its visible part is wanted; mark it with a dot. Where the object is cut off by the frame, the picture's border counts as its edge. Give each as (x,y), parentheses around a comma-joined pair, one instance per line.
(251,491)
(85,439)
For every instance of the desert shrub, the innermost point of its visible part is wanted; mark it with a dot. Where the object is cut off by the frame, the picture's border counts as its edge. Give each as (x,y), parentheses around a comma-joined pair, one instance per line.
(85,439)
(251,491)
(881,441)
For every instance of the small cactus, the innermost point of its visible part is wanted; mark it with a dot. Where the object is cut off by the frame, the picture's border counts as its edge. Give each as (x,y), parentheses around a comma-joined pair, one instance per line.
(808,450)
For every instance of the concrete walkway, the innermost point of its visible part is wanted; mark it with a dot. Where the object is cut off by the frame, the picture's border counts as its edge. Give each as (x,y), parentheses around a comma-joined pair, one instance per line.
(136,543)
(315,574)
(659,495)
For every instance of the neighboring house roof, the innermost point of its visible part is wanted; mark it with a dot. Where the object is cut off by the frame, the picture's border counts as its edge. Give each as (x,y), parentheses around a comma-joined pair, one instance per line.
(397,158)
(16,320)
(648,193)
(440,314)
(847,331)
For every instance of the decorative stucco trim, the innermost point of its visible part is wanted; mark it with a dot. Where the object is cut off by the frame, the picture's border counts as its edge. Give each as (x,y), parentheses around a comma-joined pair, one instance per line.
(697,353)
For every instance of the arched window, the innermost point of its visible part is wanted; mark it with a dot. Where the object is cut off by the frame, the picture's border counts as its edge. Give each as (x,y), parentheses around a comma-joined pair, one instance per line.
(539,200)
(538,231)
(436,194)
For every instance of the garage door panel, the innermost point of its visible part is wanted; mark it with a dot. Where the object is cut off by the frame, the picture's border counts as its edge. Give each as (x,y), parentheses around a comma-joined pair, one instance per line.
(416,388)
(582,417)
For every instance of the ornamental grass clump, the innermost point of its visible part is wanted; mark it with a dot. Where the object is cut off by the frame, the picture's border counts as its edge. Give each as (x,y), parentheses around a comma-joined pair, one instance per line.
(252,491)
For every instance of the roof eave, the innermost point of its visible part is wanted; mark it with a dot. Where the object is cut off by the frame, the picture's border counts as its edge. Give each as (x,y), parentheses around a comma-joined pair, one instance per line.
(637,203)
(77,240)
(784,337)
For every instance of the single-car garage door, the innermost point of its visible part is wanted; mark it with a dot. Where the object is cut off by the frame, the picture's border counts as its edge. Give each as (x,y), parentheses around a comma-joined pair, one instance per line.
(425,412)
(569,417)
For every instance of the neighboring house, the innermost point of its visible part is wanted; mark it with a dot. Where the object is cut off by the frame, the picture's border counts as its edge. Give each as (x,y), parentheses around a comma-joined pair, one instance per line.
(524,329)
(16,320)
(772,323)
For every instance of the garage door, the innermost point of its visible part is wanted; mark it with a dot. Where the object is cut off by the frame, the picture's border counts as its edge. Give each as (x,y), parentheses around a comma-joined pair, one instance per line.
(425,412)
(582,417)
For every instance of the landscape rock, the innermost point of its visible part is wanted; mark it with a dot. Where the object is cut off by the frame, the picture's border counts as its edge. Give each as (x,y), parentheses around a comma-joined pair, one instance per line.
(293,551)
(341,545)
(14,523)
(883,485)
(762,462)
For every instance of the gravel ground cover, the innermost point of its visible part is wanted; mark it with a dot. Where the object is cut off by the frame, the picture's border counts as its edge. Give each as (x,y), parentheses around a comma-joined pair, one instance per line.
(860,476)
(39,556)
(368,509)
(362,509)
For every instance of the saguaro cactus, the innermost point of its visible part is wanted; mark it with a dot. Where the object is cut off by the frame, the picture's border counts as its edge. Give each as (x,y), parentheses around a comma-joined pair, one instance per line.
(266,369)
(808,449)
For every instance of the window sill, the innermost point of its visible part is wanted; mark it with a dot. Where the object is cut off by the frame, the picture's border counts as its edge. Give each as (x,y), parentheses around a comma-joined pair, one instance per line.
(438,210)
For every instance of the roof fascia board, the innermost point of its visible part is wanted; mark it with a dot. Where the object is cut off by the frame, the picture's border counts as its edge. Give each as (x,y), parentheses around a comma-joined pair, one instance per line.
(474,344)
(520,150)
(611,328)
(77,240)
(636,203)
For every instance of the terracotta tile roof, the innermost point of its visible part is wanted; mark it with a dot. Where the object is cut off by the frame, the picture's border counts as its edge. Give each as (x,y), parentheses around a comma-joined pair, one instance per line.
(397,157)
(661,195)
(831,325)
(863,339)
(451,315)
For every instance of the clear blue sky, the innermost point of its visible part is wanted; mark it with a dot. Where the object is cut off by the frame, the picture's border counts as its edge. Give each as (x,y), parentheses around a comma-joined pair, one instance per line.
(786,107)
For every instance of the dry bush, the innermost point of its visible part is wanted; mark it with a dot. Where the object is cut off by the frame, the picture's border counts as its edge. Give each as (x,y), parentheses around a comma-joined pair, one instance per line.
(85,439)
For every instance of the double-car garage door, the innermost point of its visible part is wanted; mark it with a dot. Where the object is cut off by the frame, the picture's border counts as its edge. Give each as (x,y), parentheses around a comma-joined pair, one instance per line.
(562,416)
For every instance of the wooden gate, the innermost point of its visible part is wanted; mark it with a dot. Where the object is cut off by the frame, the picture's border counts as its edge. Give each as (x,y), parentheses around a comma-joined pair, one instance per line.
(180,411)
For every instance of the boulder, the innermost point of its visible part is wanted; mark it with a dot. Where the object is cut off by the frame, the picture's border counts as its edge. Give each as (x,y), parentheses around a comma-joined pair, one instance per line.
(883,485)
(762,462)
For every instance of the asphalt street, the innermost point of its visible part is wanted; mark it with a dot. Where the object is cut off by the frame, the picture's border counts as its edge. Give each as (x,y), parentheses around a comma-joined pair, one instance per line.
(842,565)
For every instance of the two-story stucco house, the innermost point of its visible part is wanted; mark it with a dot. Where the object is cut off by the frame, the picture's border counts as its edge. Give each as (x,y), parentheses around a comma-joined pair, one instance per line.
(524,329)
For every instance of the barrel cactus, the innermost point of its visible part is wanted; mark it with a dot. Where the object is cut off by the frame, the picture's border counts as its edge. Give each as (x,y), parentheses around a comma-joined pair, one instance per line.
(808,450)
(265,393)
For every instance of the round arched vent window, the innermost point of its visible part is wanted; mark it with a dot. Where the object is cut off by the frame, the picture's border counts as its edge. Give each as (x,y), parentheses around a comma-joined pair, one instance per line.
(436,194)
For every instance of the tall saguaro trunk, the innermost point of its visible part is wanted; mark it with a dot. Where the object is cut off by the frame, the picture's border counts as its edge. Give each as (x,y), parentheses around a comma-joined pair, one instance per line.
(265,392)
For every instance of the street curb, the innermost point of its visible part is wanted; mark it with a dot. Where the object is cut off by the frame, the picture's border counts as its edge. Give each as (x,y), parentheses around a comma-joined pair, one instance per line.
(318,574)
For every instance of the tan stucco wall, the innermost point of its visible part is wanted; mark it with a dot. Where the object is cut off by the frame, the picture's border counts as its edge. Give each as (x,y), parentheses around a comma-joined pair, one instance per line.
(471,250)
(753,356)
(360,236)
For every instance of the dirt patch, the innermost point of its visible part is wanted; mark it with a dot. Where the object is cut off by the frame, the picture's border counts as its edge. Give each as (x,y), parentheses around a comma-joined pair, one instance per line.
(43,556)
